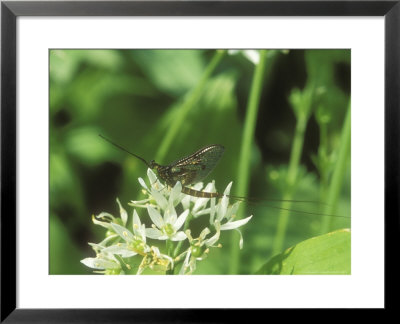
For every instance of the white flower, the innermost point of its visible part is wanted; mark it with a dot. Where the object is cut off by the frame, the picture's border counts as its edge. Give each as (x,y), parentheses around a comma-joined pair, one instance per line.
(106,265)
(111,250)
(122,246)
(135,243)
(159,194)
(200,203)
(225,215)
(104,261)
(156,261)
(189,200)
(198,250)
(167,227)
(105,219)
(163,199)
(252,55)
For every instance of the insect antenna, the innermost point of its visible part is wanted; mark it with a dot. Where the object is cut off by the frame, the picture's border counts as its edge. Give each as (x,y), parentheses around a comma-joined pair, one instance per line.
(125,150)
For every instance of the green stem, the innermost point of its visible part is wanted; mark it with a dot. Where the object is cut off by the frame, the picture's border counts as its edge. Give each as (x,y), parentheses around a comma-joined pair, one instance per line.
(169,246)
(188,104)
(322,155)
(339,171)
(295,155)
(245,150)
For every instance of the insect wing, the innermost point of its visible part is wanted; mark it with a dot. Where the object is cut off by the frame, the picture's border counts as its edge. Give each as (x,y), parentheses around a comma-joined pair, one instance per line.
(197,166)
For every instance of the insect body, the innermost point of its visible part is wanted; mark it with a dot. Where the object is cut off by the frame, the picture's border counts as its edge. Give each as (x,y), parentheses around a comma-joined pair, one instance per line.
(188,170)
(191,169)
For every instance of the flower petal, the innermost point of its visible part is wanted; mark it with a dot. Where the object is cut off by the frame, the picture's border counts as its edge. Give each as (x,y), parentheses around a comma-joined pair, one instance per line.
(122,211)
(152,176)
(175,194)
(222,208)
(104,224)
(159,198)
(233,52)
(212,240)
(252,56)
(213,210)
(121,250)
(107,239)
(154,181)
(186,201)
(142,233)
(156,234)
(181,220)
(241,239)
(235,224)
(138,228)
(232,210)
(204,233)
(170,215)
(198,186)
(97,247)
(136,219)
(155,217)
(202,212)
(140,203)
(185,264)
(179,236)
(228,188)
(143,184)
(123,232)
(97,263)
(202,202)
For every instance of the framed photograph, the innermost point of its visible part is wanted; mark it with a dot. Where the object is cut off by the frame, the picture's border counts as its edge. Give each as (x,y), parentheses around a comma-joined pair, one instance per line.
(196,154)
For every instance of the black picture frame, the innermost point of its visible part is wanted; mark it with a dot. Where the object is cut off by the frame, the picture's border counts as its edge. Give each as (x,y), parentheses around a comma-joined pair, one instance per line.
(10,10)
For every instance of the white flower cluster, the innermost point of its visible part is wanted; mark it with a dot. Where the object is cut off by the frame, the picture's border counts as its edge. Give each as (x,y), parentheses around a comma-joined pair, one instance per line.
(115,253)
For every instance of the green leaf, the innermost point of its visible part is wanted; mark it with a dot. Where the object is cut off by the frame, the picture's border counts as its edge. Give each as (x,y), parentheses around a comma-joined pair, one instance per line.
(85,144)
(326,254)
(172,71)
(64,253)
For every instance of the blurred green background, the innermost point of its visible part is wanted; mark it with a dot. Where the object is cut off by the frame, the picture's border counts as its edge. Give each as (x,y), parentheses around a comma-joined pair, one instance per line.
(166,104)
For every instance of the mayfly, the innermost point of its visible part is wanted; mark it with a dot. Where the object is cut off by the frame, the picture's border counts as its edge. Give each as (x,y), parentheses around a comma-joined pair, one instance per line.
(194,168)
(188,170)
